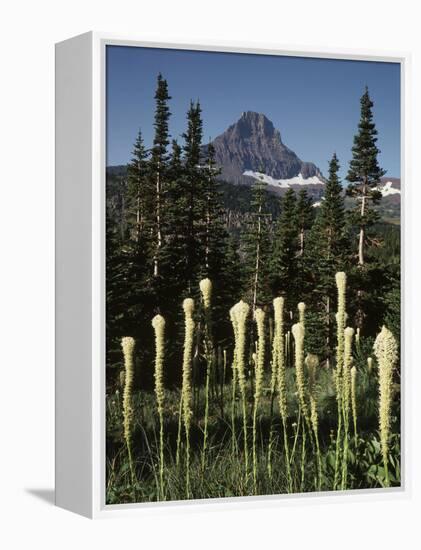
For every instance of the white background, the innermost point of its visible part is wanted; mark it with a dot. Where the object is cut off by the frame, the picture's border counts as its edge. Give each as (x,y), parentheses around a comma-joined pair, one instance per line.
(28,31)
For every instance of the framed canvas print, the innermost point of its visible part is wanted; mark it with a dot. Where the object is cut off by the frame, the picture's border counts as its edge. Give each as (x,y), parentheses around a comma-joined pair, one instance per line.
(229,268)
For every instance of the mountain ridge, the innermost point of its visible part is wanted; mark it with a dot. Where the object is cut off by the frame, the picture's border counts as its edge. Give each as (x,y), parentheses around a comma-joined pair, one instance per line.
(253,144)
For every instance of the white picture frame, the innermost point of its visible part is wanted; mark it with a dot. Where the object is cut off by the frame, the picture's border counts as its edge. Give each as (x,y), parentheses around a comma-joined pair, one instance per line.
(80,278)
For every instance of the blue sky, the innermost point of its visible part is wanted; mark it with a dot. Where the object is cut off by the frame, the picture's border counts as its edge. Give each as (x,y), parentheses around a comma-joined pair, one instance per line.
(313,102)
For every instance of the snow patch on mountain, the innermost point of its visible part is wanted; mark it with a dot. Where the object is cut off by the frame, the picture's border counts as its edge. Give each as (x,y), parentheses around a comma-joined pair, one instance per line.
(284,183)
(388,189)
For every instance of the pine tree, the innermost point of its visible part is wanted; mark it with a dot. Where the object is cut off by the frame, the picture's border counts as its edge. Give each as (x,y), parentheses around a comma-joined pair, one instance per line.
(332,215)
(176,166)
(257,245)
(136,255)
(364,173)
(194,187)
(283,267)
(158,164)
(220,263)
(364,176)
(215,233)
(175,251)
(116,274)
(138,193)
(234,273)
(327,253)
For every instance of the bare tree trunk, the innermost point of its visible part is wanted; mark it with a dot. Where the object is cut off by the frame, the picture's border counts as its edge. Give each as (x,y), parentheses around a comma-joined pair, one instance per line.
(329,250)
(207,247)
(158,224)
(138,217)
(360,314)
(362,227)
(328,329)
(301,241)
(123,214)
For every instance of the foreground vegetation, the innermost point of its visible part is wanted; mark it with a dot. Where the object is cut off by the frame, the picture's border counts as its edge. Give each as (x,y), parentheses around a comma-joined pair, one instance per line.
(266,420)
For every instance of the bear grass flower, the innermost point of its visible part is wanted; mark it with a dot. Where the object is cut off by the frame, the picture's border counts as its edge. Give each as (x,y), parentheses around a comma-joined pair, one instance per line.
(128,346)
(205,286)
(158,324)
(239,315)
(341,316)
(346,398)
(301,312)
(386,351)
(186,391)
(298,334)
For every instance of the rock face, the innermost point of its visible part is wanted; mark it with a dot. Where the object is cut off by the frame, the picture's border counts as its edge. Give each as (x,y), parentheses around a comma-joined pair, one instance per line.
(253,144)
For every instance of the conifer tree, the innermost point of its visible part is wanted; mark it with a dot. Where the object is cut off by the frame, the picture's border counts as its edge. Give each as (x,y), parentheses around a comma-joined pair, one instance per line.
(158,164)
(257,245)
(332,215)
(116,291)
(215,233)
(328,252)
(137,251)
(175,167)
(283,268)
(220,263)
(137,191)
(175,203)
(364,174)
(194,182)
(234,276)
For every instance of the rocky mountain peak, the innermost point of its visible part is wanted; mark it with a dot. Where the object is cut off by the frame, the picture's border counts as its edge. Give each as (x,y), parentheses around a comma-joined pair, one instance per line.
(251,123)
(252,143)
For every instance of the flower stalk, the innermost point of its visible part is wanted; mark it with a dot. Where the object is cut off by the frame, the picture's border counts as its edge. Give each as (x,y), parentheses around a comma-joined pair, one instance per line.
(240,312)
(128,345)
(186,392)
(354,401)
(340,331)
(312,363)
(346,400)
(386,351)
(205,286)
(259,317)
(158,324)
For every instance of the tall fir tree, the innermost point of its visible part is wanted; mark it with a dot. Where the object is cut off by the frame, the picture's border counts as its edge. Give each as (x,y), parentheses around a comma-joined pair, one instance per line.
(328,252)
(214,230)
(194,187)
(174,253)
(331,221)
(138,191)
(116,278)
(138,249)
(283,265)
(364,174)
(158,165)
(257,246)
